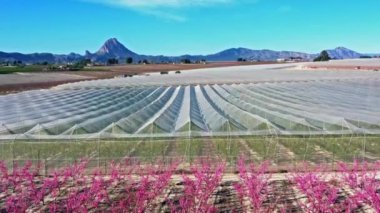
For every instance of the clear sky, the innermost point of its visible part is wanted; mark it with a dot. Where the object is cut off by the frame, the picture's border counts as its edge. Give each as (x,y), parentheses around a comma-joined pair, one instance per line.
(173,27)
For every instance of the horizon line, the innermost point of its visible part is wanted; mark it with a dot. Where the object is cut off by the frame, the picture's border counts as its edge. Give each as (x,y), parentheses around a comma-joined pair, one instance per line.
(174,55)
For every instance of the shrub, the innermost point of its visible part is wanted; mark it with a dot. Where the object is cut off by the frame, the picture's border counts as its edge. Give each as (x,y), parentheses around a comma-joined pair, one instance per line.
(198,191)
(254,184)
(324,56)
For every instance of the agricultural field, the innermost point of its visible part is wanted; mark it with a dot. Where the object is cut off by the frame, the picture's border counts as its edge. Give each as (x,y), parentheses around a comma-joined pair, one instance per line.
(32,77)
(256,140)
(206,187)
(29,68)
(281,153)
(120,110)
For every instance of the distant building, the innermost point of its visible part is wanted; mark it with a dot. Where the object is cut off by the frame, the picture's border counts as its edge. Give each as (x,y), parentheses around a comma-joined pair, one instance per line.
(296,59)
(291,59)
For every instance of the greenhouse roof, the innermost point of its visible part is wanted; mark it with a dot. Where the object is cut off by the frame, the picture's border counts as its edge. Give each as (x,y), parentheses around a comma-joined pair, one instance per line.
(343,104)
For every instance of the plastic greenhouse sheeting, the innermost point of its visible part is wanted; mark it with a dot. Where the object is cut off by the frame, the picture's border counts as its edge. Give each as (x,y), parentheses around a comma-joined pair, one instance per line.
(108,109)
(190,117)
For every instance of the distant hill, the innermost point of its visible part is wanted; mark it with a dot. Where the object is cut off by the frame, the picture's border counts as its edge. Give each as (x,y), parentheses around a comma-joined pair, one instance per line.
(112,48)
(343,53)
(40,57)
(249,54)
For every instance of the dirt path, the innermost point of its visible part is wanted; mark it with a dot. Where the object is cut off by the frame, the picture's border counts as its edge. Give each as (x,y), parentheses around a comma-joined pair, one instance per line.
(209,150)
(281,154)
(247,151)
(326,155)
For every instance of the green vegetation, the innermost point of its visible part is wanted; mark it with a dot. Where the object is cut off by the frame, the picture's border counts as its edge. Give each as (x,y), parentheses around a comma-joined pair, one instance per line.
(265,148)
(228,148)
(143,62)
(80,64)
(278,150)
(129,60)
(112,61)
(185,61)
(324,56)
(365,56)
(188,149)
(305,149)
(43,67)
(22,68)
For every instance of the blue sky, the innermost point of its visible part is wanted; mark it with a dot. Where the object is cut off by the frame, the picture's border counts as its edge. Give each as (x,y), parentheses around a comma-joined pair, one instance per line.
(174,27)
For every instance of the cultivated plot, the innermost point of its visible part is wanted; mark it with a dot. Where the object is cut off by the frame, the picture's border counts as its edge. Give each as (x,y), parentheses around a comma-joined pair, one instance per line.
(287,108)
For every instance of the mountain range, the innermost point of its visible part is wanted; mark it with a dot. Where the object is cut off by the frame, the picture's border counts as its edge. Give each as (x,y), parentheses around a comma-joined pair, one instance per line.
(112,48)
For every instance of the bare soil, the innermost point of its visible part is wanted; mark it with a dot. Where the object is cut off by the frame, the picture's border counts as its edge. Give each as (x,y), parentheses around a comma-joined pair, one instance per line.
(105,72)
(19,87)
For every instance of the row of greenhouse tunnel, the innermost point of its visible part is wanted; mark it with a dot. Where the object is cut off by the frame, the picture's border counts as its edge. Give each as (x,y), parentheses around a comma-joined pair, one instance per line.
(249,109)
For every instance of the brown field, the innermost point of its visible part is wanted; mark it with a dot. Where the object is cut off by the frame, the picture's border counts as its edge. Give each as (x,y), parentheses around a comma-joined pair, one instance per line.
(11,83)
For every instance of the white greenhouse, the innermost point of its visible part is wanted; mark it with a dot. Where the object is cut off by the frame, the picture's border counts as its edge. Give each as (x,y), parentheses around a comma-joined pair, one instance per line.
(111,109)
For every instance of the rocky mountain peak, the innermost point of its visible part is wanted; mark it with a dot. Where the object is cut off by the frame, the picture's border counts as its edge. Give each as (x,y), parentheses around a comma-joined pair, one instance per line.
(112,47)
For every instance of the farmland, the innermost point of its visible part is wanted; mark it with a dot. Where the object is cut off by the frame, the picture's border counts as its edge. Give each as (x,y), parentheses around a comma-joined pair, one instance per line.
(205,187)
(259,139)
(279,152)
(17,79)
(319,116)
(102,110)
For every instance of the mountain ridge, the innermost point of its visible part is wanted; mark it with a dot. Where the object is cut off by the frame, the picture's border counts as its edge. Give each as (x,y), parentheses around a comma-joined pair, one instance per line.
(112,48)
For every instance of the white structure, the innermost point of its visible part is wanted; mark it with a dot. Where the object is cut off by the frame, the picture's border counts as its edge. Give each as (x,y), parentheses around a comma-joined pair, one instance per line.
(116,108)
